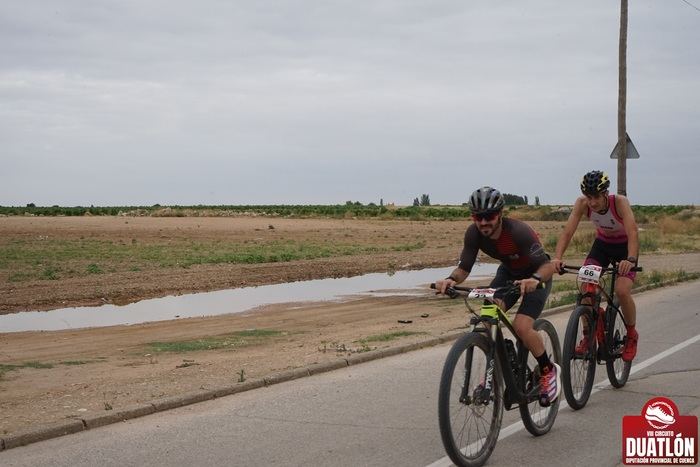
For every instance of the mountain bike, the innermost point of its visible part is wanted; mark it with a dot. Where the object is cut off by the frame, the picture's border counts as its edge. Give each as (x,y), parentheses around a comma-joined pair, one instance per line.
(593,337)
(484,373)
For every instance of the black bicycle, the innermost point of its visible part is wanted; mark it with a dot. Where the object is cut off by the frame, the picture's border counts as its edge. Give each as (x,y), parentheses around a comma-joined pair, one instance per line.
(485,372)
(593,337)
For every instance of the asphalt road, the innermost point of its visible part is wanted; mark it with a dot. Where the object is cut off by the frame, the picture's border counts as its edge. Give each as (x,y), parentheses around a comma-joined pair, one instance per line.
(384,413)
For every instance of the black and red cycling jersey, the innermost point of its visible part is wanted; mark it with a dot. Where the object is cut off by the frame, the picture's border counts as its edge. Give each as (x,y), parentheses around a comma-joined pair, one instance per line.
(518,248)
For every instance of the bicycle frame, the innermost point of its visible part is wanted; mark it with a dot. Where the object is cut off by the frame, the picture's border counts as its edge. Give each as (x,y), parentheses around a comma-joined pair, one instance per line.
(484,375)
(492,316)
(596,293)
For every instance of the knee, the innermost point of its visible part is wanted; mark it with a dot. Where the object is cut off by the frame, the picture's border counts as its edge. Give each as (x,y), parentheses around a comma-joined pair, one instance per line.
(624,293)
(522,327)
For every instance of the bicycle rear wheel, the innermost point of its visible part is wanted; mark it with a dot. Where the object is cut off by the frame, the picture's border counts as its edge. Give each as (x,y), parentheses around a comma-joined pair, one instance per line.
(537,419)
(618,369)
(469,422)
(578,368)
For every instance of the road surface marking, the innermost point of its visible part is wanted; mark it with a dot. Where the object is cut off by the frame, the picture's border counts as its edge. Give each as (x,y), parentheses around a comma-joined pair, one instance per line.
(515,427)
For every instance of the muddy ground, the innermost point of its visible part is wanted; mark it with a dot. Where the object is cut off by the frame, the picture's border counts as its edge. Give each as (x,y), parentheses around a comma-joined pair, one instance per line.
(101,369)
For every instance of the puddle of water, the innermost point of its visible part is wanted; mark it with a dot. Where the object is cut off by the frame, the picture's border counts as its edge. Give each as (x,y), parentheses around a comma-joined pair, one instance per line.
(233,300)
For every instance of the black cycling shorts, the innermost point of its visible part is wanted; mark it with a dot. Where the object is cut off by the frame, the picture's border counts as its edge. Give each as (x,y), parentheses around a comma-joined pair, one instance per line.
(603,253)
(533,302)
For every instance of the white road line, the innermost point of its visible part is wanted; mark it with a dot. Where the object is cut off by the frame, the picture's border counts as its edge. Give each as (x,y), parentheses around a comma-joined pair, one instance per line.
(515,427)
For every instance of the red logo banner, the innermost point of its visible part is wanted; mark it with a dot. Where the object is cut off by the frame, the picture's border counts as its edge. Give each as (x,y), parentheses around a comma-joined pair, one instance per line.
(660,435)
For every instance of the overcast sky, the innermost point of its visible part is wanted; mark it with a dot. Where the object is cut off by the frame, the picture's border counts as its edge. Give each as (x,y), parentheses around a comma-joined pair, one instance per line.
(318,102)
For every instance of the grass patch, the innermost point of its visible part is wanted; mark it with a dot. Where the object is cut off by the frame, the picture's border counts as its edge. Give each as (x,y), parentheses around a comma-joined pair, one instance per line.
(4,368)
(566,292)
(581,241)
(25,260)
(36,365)
(657,278)
(388,336)
(229,341)
(94,269)
(563,286)
(49,273)
(564,299)
(648,242)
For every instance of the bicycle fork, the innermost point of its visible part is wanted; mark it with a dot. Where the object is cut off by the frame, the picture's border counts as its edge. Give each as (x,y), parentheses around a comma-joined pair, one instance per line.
(490,367)
(482,392)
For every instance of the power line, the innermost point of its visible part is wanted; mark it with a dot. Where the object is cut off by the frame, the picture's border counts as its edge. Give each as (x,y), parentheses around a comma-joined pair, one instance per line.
(686,1)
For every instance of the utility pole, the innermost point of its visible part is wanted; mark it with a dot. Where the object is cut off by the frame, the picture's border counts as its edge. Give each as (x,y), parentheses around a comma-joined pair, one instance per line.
(622,104)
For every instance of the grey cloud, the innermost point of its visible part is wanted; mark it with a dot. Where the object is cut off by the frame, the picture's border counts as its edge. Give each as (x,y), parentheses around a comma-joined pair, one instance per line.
(219,102)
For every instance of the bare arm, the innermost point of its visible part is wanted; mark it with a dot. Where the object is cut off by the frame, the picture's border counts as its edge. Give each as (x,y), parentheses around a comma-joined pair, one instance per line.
(457,276)
(625,211)
(546,271)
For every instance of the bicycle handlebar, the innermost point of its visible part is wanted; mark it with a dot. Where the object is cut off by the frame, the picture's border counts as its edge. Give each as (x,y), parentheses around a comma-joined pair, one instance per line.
(608,269)
(507,289)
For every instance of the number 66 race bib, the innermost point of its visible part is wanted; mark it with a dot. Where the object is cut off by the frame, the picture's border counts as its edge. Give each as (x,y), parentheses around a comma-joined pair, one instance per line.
(590,274)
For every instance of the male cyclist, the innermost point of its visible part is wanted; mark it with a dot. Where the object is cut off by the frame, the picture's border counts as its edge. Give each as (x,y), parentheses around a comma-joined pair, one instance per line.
(616,240)
(523,260)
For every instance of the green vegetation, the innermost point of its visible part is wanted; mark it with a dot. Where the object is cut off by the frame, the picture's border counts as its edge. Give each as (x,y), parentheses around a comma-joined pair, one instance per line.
(514,199)
(565,292)
(424,209)
(656,278)
(562,299)
(228,341)
(423,201)
(94,269)
(4,368)
(350,209)
(53,259)
(388,336)
(663,229)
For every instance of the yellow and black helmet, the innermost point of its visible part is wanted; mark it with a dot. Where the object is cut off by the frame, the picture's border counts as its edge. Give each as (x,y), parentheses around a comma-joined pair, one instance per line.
(595,182)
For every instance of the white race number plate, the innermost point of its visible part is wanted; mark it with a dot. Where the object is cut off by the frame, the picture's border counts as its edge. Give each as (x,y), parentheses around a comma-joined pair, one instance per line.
(590,273)
(482,293)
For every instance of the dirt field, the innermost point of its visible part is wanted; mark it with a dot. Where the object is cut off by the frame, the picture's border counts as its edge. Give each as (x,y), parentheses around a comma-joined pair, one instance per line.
(95,370)
(442,243)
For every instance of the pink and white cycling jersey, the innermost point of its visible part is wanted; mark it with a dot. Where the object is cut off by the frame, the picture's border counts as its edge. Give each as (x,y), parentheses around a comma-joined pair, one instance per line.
(609,226)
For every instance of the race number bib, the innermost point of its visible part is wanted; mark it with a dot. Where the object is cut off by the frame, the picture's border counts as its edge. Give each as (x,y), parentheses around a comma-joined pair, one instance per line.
(482,293)
(590,274)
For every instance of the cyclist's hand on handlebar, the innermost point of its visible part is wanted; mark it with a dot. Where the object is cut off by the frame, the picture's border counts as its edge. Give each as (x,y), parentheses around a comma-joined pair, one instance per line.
(527,285)
(624,266)
(558,265)
(442,285)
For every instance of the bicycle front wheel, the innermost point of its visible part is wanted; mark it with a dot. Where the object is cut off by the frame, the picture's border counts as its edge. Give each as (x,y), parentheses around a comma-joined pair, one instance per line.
(537,419)
(579,357)
(469,418)
(618,369)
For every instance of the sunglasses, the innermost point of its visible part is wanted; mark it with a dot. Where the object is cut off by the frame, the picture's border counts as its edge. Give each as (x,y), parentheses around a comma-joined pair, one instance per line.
(488,216)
